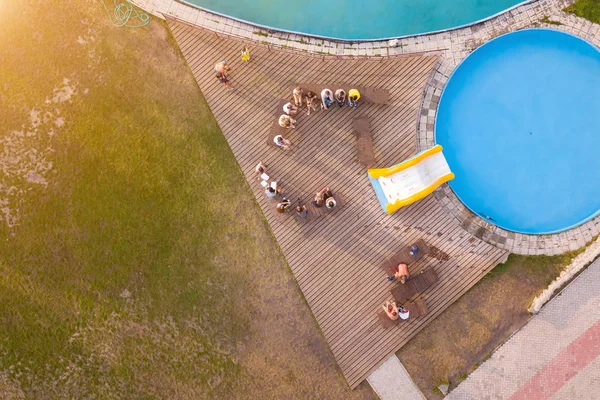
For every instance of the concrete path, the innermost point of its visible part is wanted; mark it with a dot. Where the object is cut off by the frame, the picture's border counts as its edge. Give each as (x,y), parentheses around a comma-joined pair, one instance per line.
(555,356)
(391,382)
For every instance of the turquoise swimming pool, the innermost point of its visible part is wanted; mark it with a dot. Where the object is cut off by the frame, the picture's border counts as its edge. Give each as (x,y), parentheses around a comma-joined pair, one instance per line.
(358,19)
(518,121)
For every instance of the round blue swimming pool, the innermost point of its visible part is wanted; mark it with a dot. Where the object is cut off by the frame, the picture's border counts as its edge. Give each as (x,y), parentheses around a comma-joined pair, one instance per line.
(519,121)
(358,19)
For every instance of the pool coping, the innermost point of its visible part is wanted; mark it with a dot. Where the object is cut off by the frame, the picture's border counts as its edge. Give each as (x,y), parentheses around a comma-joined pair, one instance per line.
(331,38)
(222,24)
(519,243)
(453,45)
(538,29)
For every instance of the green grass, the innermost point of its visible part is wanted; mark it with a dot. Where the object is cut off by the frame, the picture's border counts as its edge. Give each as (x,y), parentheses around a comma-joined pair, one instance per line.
(546,20)
(131,206)
(142,268)
(588,9)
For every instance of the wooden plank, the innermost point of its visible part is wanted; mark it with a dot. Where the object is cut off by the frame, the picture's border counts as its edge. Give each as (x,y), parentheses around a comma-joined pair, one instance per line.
(404,256)
(364,140)
(415,285)
(362,125)
(416,308)
(337,255)
(385,322)
(364,145)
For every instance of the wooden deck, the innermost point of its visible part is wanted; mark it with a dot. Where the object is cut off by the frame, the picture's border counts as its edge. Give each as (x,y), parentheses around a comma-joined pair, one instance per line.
(336,259)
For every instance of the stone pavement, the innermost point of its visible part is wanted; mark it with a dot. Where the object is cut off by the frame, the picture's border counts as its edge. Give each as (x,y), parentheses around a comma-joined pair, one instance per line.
(555,356)
(391,381)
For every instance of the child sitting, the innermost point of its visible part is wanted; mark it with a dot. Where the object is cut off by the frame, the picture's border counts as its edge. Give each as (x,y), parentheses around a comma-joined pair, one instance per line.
(353,97)
(391,310)
(290,108)
(301,211)
(284,206)
(311,102)
(320,197)
(280,141)
(285,121)
(340,97)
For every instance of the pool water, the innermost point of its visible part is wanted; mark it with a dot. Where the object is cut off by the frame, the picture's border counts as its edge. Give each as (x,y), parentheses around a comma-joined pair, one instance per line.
(358,19)
(519,121)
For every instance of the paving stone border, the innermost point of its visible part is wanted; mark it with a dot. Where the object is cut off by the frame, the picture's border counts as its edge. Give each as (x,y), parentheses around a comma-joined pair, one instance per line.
(220,24)
(469,39)
(453,45)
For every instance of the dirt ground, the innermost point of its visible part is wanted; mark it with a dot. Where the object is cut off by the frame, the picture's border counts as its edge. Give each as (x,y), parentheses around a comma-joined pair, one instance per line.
(464,335)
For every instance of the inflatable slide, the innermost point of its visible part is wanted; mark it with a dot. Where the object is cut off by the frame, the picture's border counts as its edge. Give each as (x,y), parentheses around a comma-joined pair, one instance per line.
(410,180)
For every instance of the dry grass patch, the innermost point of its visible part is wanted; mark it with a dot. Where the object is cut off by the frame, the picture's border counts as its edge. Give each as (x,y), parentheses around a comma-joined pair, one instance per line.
(464,335)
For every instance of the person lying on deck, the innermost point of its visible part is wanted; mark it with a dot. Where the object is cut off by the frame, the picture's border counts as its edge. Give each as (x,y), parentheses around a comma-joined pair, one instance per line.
(285,121)
(298,96)
(280,141)
(326,98)
(311,101)
(290,108)
(340,97)
(353,97)
(400,273)
(391,310)
(283,206)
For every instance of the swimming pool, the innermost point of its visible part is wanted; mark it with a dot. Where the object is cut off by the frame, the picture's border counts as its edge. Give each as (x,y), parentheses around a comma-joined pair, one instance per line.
(519,123)
(358,19)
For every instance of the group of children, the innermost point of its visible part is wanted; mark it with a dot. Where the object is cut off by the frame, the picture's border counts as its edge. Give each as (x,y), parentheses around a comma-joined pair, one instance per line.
(271,187)
(299,97)
(340,98)
(323,198)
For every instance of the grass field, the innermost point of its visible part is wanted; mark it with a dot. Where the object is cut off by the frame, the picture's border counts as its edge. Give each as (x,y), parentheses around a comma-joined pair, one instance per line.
(464,335)
(134,261)
(588,9)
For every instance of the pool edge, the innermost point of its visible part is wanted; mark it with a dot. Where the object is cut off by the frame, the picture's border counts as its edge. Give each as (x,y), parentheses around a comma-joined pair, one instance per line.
(270,28)
(480,48)
(203,17)
(453,44)
(571,239)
